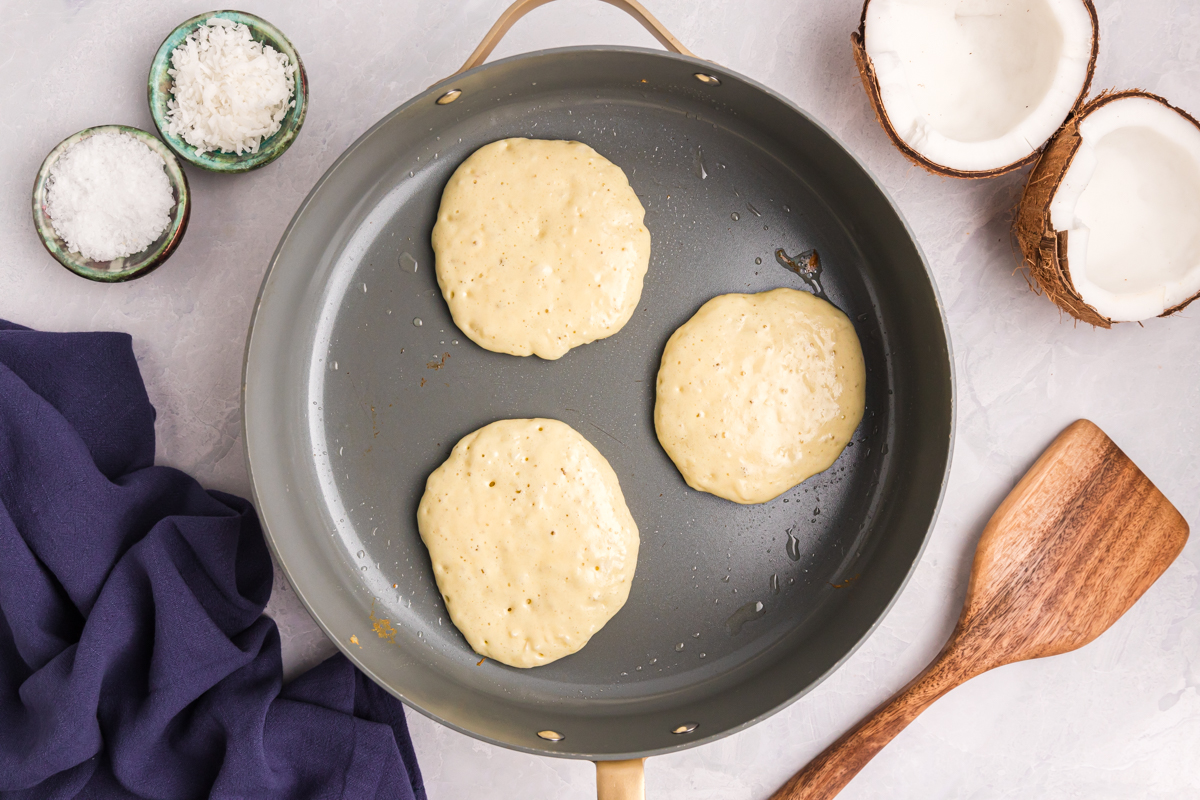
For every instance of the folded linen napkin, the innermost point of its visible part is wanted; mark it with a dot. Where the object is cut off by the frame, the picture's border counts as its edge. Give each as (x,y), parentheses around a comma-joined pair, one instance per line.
(134,657)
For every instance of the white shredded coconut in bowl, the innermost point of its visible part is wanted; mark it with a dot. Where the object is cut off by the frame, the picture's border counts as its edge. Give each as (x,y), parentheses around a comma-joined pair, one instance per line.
(108,196)
(229,92)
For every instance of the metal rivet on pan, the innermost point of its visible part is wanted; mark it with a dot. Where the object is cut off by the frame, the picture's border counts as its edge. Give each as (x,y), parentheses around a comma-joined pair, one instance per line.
(700,76)
(686,727)
(449,97)
(551,736)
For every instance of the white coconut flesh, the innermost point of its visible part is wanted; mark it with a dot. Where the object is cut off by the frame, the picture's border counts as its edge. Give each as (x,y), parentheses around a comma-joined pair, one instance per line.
(1130,204)
(977,85)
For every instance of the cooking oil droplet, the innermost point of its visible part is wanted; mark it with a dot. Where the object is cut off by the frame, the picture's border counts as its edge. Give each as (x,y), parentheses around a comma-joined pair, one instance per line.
(417,322)
(775,583)
(362,553)
(408,263)
(696,635)
(758,261)
(747,613)
(679,647)
(807,265)
(654,661)
(333,366)
(793,547)
(816,511)
(364,288)
(753,210)
(884,449)
(704,655)
(363,568)
(454,342)
(725,579)
(698,164)
(638,668)
(735,216)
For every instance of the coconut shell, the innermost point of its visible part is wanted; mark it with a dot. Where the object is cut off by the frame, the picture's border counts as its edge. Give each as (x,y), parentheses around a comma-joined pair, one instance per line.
(1044,248)
(866,71)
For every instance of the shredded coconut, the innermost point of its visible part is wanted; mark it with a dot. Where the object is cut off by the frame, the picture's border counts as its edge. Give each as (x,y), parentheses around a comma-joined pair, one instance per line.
(108,196)
(229,91)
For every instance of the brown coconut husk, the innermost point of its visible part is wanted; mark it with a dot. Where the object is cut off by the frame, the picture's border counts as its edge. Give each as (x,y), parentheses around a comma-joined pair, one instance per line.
(866,71)
(1044,248)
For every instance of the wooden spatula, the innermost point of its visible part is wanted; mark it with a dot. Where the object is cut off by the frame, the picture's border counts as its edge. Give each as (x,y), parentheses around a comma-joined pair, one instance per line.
(1071,548)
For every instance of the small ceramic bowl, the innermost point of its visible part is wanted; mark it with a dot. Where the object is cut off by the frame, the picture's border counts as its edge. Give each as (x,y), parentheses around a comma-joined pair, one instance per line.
(130,267)
(271,148)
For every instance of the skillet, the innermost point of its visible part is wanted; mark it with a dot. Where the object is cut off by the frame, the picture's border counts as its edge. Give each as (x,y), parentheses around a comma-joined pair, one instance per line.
(357,385)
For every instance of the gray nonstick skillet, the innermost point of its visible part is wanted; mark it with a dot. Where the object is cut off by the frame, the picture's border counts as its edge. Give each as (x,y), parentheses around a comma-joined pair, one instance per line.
(357,385)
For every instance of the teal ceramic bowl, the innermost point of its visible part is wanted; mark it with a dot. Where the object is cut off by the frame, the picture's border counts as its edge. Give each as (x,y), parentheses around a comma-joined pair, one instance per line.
(271,148)
(130,267)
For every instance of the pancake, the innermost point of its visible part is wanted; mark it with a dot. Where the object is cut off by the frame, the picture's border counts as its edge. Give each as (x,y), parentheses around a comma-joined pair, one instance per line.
(758,392)
(533,547)
(539,246)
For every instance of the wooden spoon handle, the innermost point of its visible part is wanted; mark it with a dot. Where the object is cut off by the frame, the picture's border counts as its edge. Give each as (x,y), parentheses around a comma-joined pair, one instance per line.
(828,773)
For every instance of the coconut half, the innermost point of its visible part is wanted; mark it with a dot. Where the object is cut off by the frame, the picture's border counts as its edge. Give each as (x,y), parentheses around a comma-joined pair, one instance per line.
(1110,219)
(974,88)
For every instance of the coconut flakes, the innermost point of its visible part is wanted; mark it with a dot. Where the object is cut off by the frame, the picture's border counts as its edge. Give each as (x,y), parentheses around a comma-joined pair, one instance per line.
(229,92)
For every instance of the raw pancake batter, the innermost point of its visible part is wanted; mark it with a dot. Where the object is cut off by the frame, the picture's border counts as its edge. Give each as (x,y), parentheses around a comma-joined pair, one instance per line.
(533,548)
(758,392)
(539,247)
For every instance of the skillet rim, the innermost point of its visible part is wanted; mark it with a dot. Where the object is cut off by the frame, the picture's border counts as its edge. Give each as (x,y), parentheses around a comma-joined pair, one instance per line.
(436,90)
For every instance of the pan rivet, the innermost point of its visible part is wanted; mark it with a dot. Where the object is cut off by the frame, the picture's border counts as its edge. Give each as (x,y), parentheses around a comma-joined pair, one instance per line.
(449,97)
(551,736)
(686,727)
(712,80)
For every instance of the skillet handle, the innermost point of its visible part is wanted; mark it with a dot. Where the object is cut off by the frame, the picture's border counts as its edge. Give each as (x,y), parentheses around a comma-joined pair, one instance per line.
(621,780)
(522,7)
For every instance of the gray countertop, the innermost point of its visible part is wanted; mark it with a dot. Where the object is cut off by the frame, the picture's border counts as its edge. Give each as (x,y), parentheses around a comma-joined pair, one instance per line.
(1118,719)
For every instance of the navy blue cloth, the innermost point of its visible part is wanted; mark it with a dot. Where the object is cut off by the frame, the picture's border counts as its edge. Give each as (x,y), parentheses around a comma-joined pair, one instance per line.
(134,657)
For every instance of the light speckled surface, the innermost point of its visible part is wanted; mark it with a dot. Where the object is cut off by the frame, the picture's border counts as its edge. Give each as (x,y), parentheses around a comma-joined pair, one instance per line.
(1118,719)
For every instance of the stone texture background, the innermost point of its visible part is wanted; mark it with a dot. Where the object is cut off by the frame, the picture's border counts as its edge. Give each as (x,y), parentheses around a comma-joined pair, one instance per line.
(1117,719)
